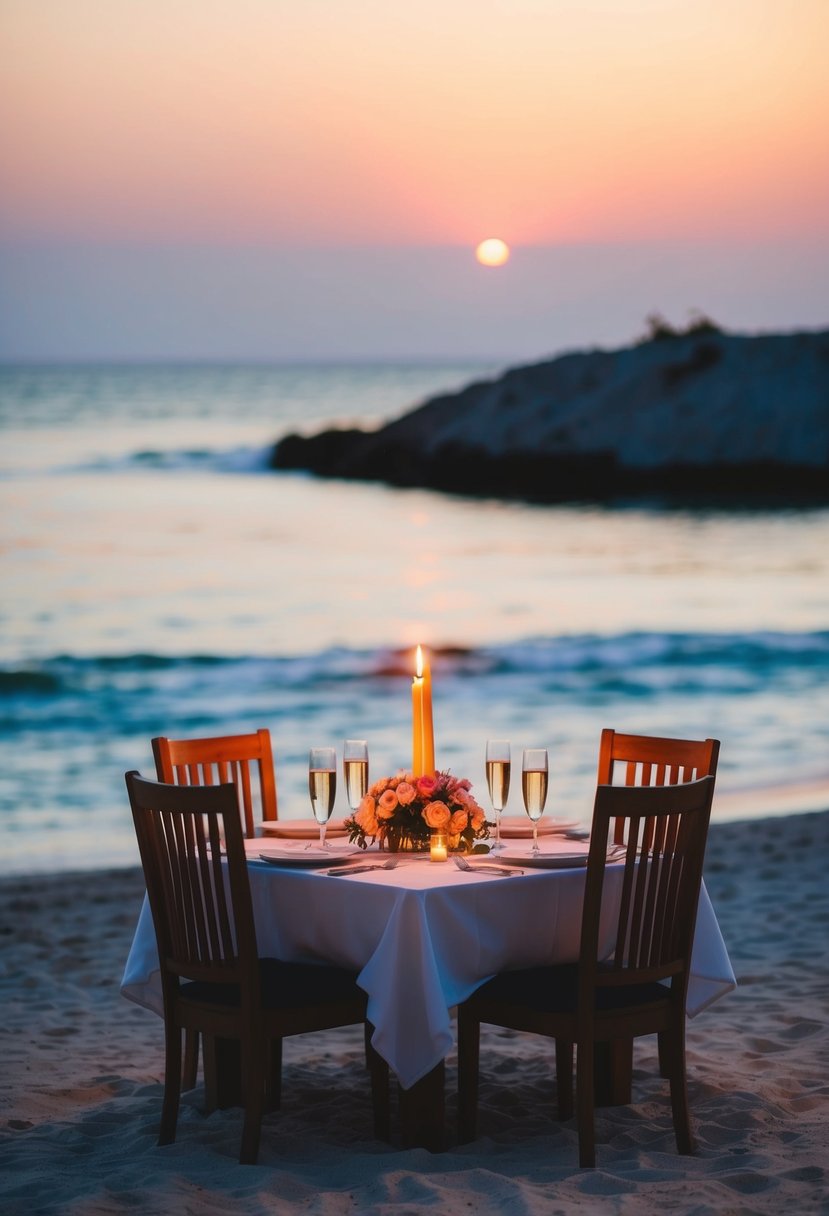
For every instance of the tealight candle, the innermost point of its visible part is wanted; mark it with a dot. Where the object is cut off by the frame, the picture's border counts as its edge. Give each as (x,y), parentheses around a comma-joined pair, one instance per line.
(439,847)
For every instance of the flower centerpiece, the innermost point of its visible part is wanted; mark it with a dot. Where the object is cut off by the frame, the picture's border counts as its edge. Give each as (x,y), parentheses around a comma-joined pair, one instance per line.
(401,812)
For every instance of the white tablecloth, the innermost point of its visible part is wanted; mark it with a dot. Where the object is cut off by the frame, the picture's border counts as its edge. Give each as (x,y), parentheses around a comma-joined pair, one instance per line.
(422,938)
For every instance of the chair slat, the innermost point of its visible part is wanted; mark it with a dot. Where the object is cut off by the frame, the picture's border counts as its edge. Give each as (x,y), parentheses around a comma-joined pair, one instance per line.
(652,892)
(666,863)
(207,879)
(228,945)
(621,948)
(639,889)
(183,831)
(243,785)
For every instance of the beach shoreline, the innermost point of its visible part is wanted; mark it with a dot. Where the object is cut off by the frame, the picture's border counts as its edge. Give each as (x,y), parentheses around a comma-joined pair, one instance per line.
(82,1078)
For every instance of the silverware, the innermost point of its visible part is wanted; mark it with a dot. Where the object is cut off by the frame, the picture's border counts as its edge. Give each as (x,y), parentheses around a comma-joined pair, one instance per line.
(463,864)
(344,871)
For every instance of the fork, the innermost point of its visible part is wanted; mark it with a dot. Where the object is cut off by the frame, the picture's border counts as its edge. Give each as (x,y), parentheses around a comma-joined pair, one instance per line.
(464,865)
(344,871)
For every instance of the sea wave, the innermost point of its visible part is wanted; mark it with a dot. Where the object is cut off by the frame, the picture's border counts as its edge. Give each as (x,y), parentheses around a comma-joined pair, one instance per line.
(708,660)
(71,725)
(240,459)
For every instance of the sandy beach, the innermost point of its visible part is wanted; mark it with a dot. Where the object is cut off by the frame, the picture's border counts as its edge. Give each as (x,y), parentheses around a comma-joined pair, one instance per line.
(81,1079)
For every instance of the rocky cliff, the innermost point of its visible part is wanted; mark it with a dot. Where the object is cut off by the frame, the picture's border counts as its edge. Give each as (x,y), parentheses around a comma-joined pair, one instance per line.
(700,414)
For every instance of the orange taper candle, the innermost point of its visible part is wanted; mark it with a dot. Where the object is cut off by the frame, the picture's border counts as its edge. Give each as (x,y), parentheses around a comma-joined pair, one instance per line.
(417,718)
(428,747)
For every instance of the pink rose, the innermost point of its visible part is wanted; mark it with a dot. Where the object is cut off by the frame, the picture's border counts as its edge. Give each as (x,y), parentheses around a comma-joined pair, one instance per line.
(387,804)
(461,797)
(426,786)
(405,793)
(458,823)
(437,815)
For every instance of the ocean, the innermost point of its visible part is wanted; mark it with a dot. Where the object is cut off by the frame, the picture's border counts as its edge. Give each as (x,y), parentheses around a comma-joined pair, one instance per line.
(157,578)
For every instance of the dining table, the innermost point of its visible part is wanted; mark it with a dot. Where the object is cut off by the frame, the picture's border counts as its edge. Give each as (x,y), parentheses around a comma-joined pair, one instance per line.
(422,936)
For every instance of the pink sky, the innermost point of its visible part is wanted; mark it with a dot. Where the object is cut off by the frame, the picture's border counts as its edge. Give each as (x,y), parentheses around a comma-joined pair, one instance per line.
(346,121)
(302,124)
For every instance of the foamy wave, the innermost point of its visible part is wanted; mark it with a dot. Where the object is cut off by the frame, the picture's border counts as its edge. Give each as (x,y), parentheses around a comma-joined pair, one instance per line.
(209,460)
(717,660)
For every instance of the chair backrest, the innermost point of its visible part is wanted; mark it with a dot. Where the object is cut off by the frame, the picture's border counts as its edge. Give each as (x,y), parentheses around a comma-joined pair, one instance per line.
(666,830)
(219,760)
(200,901)
(650,760)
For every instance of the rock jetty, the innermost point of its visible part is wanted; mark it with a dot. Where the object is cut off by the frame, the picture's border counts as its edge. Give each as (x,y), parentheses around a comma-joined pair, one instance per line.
(697,414)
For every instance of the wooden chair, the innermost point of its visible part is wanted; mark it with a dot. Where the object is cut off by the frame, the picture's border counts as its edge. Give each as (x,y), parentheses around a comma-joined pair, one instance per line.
(593,1001)
(649,760)
(219,760)
(212,978)
(214,761)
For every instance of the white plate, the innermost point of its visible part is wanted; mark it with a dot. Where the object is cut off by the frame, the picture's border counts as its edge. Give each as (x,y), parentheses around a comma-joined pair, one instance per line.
(545,861)
(300,829)
(522,829)
(309,857)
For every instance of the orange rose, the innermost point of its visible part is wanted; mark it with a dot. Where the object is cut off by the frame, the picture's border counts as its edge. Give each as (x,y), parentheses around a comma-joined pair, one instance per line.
(405,793)
(365,817)
(478,818)
(387,804)
(437,815)
(458,823)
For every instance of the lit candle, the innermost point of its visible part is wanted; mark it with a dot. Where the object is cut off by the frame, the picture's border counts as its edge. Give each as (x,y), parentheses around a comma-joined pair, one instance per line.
(428,749)
(423,733)
(417,718)
(438,847)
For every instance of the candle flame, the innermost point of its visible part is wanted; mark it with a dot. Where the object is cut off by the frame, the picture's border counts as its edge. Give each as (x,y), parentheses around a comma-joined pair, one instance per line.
(419,667)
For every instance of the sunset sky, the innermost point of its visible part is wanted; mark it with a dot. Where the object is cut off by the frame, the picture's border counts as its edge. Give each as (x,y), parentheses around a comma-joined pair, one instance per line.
(309,178)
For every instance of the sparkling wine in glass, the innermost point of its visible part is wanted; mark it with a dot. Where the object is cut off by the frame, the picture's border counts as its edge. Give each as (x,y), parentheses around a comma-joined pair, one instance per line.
(534,787)
(497,778)
(355,771)
(322,785)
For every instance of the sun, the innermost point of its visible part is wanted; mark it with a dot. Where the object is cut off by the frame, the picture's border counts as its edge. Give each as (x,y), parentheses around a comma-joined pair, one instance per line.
(492,252)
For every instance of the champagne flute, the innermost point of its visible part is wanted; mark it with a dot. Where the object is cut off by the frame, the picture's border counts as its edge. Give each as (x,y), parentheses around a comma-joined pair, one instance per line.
(534,787)
(497,778)
(322,785)
(355,771)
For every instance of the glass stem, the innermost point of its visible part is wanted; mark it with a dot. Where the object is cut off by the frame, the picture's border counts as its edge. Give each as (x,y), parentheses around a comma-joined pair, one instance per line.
(323,826)
(497,830)
(535,838)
